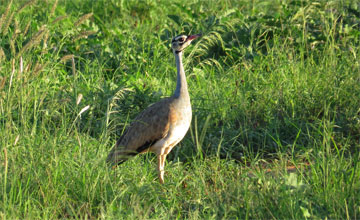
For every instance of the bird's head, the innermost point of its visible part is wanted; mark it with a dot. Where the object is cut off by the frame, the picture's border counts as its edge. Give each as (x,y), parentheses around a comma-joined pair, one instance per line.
(180,42)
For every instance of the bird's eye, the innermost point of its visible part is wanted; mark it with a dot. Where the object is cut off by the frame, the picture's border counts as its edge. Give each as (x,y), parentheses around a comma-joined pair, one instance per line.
(181,39)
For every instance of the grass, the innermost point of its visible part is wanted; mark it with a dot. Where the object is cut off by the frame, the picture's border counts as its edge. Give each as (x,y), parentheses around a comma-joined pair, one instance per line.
(274,85)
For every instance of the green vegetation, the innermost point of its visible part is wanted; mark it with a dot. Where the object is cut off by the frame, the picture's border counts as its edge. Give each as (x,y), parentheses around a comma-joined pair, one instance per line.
(273,84)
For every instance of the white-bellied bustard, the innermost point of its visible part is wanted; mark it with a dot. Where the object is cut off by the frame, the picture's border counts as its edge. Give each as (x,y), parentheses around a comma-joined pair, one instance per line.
(162,125)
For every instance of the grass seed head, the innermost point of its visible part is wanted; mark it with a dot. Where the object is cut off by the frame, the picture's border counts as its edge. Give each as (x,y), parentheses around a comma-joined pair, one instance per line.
(83,18)
(38,68)
(26,28)
(2,55)
(79,98)
(84,34)
(4,16)
(53,7)
(26,5)
(7,24)
(66,57)
(12,46)
(59,19)
(35,40)
(2,82)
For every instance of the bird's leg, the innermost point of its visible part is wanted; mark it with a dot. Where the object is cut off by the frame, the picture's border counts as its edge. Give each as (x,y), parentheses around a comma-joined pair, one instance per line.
(161,163)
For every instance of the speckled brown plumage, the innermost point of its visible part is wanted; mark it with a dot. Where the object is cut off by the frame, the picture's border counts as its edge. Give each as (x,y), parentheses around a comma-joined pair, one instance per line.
(148,127)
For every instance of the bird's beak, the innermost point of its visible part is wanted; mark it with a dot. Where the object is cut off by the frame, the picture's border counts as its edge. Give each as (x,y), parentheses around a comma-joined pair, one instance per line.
(192,37)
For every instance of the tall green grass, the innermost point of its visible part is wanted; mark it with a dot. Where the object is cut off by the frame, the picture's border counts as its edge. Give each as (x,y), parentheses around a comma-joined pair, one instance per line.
(274,85)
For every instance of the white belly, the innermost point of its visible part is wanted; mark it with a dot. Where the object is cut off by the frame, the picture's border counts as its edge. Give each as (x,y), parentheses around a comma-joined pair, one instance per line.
(175,135)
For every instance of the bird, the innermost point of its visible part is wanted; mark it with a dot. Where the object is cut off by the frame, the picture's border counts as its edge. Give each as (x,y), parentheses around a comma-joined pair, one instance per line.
(163,124)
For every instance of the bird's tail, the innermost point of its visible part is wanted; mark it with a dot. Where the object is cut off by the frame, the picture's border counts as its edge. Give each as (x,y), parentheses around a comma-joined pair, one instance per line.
(118,156)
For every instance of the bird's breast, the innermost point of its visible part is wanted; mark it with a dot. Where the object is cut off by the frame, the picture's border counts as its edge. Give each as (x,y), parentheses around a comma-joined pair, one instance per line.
(180,118)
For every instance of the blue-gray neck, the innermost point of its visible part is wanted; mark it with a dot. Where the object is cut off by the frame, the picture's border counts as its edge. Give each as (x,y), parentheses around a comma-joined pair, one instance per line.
(181,90)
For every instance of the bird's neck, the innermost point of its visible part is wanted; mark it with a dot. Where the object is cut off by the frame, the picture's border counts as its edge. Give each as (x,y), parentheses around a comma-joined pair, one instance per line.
(181,90)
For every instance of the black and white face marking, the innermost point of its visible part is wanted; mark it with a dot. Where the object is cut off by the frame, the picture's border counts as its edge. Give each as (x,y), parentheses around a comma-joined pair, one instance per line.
(180,38)
(180,42)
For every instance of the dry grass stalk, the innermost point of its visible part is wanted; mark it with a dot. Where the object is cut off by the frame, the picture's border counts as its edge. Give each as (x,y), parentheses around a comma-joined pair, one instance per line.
(53,7)
(21,68)
(2,82)
(79,98)
(17,28)
(38,68)
(83,110)
(4,16)
(45,41)
(84,34)
(27,69)
(73,66)
(35,40)
(16,139)
(14,36)
(7,24)
(5,162)
(26,28)
(21,65)
(12,73)
(59,19)
(12,46)
(2,54)
(26,5)
(83,18)
(66,57)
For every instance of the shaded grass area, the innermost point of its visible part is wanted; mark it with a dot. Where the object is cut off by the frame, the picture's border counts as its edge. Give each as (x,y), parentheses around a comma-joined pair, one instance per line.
(273,84)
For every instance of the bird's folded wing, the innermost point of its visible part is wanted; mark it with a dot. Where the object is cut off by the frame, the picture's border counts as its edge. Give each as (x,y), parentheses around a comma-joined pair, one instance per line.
(148,127)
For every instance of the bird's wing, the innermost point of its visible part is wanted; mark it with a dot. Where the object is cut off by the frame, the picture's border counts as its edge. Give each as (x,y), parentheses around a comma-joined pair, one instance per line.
(148,127)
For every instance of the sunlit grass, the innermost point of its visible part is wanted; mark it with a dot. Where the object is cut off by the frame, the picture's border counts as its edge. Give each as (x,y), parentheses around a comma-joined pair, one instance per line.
(275,90)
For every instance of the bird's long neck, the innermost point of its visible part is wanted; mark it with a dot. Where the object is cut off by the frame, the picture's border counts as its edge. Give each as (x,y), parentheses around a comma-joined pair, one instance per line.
(181,90)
